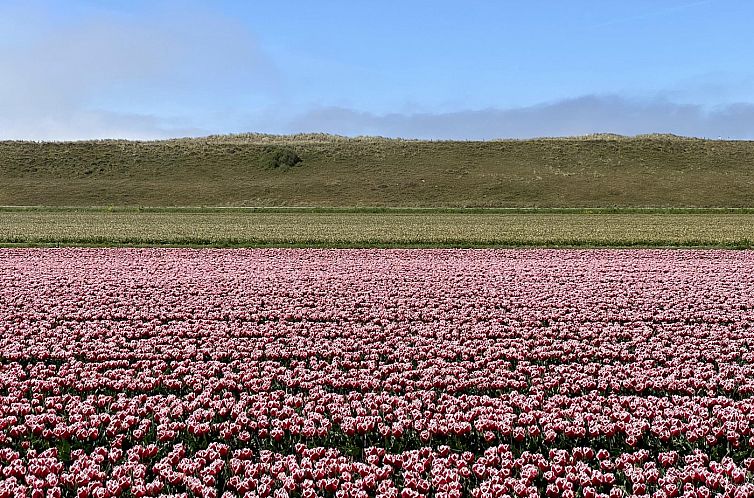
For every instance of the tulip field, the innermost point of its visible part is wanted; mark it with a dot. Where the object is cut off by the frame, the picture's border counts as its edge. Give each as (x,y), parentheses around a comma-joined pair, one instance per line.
(376,372)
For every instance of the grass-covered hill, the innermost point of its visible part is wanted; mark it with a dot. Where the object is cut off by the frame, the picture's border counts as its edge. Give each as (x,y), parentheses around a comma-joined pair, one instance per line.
(323,170)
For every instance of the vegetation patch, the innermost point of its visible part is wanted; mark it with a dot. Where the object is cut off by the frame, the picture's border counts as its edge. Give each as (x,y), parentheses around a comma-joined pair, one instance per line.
(245,170)
(400,228)
(281,157)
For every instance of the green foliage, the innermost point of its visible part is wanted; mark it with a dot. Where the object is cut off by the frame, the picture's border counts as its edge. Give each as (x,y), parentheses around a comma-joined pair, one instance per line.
(601,171)
(280,157)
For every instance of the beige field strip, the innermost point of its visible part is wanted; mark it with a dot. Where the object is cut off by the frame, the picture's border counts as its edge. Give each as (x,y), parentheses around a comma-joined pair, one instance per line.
(363,229)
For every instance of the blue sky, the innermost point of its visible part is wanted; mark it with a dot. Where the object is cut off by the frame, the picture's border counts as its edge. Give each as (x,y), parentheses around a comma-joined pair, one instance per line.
(424,69)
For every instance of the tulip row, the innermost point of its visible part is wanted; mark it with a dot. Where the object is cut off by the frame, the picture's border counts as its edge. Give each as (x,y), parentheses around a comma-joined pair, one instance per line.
(376,373)
(306,471)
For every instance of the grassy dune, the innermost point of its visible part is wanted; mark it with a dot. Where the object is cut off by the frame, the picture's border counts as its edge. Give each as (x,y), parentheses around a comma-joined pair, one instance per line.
(349,228)
(335,171)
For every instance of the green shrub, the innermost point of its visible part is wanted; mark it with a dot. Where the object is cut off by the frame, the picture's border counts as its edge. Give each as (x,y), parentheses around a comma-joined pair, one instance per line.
(281,157)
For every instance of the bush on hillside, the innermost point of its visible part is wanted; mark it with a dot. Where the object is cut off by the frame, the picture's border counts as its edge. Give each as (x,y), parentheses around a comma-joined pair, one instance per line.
(281,157)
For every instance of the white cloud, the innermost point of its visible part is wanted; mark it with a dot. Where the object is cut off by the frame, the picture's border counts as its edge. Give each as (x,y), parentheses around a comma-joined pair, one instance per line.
(110,75)
(98,124)
(578,116)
